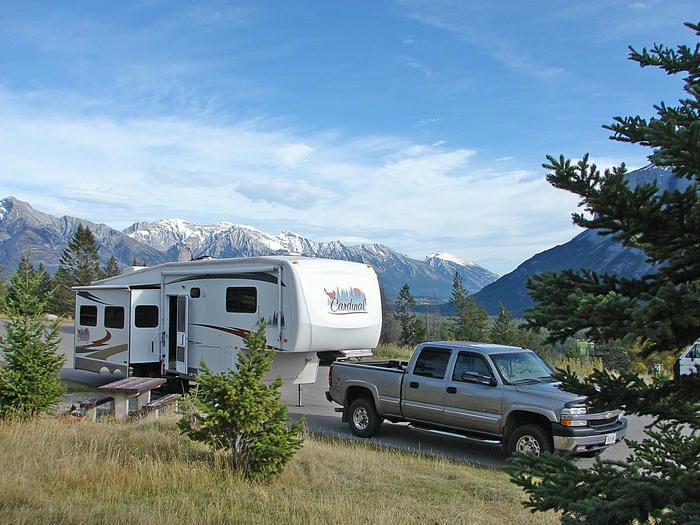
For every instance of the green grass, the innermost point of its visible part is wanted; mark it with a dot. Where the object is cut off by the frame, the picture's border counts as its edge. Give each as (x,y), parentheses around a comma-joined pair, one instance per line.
(63,471)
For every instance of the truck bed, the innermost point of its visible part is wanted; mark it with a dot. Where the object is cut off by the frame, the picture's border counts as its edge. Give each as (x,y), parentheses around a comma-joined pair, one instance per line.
(391,364)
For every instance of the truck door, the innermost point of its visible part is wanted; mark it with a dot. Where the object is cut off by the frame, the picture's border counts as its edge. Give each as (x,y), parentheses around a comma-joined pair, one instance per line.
(423,393)
(473,398)
(178,333)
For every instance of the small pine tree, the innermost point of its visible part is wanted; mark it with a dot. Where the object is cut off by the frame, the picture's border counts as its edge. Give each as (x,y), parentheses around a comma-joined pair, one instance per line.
(412,327)
(504,330)
(470,322)
(390,327)
(43,288)
(111,268)
(30,381)
(2,291)
(238,413)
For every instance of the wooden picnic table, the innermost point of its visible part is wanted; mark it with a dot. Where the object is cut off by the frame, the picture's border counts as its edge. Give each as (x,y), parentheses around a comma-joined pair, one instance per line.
(131,387)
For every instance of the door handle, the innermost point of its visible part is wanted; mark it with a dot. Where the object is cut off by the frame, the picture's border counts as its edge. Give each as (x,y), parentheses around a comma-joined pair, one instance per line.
(451,390)
(413,384)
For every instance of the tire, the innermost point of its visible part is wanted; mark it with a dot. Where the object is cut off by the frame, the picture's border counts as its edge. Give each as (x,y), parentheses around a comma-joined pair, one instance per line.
(363,418)
(530,439)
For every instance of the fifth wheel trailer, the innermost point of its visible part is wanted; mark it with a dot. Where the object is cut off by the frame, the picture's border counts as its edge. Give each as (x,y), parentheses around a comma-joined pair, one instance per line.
(163,321)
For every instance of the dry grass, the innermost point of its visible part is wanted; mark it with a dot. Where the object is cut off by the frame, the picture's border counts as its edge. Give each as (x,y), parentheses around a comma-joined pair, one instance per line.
(59,471)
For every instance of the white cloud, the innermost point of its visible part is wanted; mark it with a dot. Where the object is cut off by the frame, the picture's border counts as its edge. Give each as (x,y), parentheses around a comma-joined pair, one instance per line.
(414,197)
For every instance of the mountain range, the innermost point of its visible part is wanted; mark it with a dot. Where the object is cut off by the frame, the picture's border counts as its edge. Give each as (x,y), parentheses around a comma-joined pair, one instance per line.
(26,231)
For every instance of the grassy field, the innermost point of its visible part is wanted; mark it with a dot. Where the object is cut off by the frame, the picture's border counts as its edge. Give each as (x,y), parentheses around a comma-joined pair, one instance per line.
(61,470)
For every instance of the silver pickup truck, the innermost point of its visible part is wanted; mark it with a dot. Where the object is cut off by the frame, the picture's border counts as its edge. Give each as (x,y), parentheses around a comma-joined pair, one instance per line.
(491,393)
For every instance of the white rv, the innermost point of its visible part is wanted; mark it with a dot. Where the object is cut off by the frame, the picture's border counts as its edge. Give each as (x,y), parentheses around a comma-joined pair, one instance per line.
(166,319)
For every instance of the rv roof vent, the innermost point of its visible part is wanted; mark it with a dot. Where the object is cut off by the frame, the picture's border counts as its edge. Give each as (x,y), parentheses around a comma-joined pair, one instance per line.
(132,269)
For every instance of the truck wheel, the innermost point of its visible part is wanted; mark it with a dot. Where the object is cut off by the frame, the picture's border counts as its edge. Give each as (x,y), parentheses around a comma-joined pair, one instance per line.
(530,439)
(364,420)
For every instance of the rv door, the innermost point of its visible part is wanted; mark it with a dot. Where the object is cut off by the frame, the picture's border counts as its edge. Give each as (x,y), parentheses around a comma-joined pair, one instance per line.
(178,333)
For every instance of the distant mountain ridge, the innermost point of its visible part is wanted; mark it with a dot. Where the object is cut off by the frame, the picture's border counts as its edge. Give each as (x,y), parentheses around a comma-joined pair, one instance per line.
(24,230)
(430,278)
(588,249)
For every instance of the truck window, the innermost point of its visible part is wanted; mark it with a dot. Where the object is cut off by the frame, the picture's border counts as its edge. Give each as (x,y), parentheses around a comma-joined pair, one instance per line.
(470,364)
(432,362)
(146,316)
(114,317)
(242,300)
(88,315)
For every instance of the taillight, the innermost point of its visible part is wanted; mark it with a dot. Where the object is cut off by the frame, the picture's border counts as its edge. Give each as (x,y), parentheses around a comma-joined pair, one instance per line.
(330,375)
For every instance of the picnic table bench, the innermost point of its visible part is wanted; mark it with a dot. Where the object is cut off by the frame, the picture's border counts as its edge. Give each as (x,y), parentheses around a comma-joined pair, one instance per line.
(89,407)
(155,407)
(128,388)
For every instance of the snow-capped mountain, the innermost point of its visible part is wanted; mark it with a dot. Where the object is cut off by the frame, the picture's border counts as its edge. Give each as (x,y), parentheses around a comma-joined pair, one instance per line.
(43,237)
(475,279)
(25,230)
(431,278)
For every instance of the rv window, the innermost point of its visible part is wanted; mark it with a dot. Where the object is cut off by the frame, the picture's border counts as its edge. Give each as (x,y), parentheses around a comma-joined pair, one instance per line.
(243,300)
(146,316)
(88,315)
(114,317)
(195,293)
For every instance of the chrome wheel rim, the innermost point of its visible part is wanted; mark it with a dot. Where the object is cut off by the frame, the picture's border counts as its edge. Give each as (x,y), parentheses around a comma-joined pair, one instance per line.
(528,445)
(360,418)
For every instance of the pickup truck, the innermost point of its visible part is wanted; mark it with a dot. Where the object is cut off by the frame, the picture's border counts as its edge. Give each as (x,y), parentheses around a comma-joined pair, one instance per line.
(491,393)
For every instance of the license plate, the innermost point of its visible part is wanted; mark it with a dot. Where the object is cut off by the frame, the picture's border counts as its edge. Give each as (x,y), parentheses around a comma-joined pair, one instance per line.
(610,439)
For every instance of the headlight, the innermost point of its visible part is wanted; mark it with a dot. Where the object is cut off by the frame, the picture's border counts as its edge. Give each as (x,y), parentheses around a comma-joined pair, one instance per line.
(569,417)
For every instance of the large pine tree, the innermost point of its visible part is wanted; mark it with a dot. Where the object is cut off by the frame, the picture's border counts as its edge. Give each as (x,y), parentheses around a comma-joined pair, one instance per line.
(79,265)
(660,481)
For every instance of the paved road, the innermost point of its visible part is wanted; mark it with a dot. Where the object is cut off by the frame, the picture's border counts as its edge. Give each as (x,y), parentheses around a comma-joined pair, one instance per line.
(321,418)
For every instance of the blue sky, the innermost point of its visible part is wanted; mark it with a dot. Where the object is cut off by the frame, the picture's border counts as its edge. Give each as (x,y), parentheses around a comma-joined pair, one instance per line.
(421,125)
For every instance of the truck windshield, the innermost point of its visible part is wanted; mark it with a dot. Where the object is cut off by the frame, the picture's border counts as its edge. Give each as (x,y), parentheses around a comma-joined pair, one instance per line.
(522,368)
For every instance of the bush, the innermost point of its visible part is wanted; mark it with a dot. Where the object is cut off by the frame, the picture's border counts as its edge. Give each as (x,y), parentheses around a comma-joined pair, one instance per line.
(237,413)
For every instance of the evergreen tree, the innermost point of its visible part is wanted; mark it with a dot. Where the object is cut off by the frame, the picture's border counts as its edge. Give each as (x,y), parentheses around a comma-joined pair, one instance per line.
(660,481)
(390,326)
(504,330)
(237,413)
(30,381)
(43,287)
(111,268)
(412,328)
(470,322)
(2,291)
(79,265)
